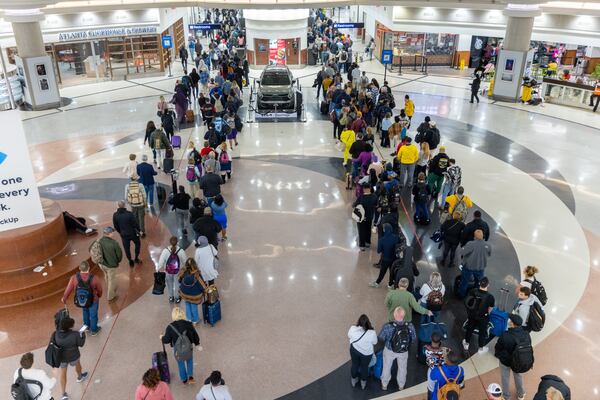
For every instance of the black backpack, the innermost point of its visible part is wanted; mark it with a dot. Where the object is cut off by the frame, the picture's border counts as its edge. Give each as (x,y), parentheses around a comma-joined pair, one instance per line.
(522,356)
(84,294)
(474,304)
(214,139)
(401,340)
(538,290)
(536,318)
(422,195)
(20,391)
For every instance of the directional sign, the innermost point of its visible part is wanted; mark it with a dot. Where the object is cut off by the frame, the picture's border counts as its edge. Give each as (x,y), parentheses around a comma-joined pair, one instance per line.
(167,42)
(348,25)
(204,27)
(386,56)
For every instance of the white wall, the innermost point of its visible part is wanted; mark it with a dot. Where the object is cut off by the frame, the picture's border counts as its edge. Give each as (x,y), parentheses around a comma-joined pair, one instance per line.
(376,13)
(168,16)
(276,24)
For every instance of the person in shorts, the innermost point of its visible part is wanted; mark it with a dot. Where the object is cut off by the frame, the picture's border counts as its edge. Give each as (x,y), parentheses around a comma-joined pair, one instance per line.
(69,342)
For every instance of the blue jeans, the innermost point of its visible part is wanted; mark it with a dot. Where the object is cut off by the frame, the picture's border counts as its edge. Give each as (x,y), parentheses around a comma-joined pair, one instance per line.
(186,369)
(90,316)
(149,193)
(191,312)
(421,210)
(466,278)
(447,190)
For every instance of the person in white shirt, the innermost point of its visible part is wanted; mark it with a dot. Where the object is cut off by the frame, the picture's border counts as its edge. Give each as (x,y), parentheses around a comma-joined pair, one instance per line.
(171,267)
(45,393)
(205,257)
(362,340)
(130,168)
(214,388)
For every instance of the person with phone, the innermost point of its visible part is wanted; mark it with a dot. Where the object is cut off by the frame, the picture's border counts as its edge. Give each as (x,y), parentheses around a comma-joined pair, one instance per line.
(69,342)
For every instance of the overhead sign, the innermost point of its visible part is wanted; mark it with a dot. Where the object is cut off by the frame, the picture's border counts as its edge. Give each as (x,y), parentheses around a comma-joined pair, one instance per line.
(20,203)
(204,27)
(348,25)
(386,56)
(107,32)
(167,42)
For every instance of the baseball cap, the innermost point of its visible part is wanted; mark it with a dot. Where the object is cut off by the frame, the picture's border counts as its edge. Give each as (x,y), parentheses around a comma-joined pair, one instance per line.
(494,389)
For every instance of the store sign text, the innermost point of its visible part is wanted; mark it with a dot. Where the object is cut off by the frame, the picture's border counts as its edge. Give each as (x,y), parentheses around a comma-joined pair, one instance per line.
(108,32)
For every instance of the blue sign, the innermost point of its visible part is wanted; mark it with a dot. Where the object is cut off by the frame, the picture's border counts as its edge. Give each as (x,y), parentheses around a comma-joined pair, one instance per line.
(167,42)
(203,27)
(386,56)
(348,25)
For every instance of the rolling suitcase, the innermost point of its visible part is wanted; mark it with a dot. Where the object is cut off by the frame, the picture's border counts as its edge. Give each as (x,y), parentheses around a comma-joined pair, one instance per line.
(161,363)
(176,142)
(159,283)
(324,108)
(211,312)
(189,116)
(168,165)
(59,316)
(161,195)
(499,316)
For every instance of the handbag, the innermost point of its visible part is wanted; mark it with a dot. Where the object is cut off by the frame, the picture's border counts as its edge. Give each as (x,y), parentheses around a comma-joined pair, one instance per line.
(53,353)
(212,294)
(215,258)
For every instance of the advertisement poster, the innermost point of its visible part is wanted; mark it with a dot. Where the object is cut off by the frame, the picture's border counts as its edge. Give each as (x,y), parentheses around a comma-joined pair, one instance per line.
(277,52)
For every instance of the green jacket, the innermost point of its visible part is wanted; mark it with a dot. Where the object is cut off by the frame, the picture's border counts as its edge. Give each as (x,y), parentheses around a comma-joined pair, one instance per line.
(405,299)
(111,252)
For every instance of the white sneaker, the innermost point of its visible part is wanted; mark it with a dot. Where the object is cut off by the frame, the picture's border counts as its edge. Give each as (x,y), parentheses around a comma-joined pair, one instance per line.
(465,345)
(521,397)
(390,287)
(374,284)
(484,350)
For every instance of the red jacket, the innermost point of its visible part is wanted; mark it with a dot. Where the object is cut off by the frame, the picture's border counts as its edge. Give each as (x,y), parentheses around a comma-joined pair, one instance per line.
(96,286)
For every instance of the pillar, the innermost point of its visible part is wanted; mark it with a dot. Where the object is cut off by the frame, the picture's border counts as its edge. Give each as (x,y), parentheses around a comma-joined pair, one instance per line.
(514,60)
(34,67)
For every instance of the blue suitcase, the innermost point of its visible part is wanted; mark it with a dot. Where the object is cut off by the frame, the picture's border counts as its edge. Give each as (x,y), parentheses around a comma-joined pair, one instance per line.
(498,322)
(211,312)
(429,326)
(378,367)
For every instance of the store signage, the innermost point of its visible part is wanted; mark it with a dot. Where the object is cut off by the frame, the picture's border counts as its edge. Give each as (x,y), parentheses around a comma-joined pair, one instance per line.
(108,32)
(386,56)
(204,27)
(20,203)
(167,42)
(348,25)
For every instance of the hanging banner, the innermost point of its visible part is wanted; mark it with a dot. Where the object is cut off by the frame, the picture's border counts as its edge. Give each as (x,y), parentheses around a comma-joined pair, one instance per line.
(20,203)
(277,52)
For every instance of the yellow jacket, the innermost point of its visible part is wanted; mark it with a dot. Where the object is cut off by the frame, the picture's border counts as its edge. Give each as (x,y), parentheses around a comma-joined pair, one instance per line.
(453,200)
(409,108)
(408,154)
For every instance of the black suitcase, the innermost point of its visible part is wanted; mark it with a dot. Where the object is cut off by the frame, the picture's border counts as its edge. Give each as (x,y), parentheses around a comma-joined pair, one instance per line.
(159,283)
(324,108)
(168,164)
(161,194)
(161,363)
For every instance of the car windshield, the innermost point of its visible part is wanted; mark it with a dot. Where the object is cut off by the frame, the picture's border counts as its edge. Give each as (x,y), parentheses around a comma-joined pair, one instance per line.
(275,79)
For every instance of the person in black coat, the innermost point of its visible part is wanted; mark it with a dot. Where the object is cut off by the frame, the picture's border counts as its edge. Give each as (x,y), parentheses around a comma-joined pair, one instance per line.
(505,347)
(451,232)
(405,267)
(475,89)
(554,381)
(69,342)
(184,327)
(195,78)
(207,226)
(469,231)
(369,201)
(126,224)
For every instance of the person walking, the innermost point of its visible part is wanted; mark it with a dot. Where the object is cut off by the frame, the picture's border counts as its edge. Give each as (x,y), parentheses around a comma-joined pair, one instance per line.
(150,127)
(135,195)
(447,378)
(386,246)
(206,226)
(432,293)
(368,201)
(180,203)
(88,291)
(437,167)
(409,108)
(206,258)
(126,225)
(459,202)
(146,174)
(183,55)
(398,335)
(479,304)
(214,388)
(31,375)
(152,388)
(171,261)
(475,85)
(408,155)
(191,289)
(421,195)
(404,299)
(131,166)
(69,342)
(106,253)
(182,336)
(514,340)
(475,255)
(210,184)
(362,338)
(451,231)
(159,144)
(218,207)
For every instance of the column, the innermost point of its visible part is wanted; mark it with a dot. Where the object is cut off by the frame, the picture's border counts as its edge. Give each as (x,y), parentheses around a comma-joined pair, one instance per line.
(35,68)
(515,58)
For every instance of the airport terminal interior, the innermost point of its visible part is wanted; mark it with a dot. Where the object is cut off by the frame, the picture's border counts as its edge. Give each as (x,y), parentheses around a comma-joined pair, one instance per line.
(299,200)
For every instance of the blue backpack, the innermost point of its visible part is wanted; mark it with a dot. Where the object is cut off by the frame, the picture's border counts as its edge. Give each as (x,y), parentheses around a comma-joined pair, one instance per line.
(84,294)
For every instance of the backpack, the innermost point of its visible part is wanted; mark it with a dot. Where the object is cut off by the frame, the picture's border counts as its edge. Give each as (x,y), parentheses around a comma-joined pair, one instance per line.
(435,299)
(183,346)
(538,290)
(451,386)
(358,213)
(172,265)
(399,248)
(190,174)
(536,318)
(194,156)
(522,357)
(474,304)
(84,294)
(394,195)
(214,140)
(20,391)
(96,252)
(134,194)
(238,124)
(224,158)
(401,340)
(422,196)
(461,208)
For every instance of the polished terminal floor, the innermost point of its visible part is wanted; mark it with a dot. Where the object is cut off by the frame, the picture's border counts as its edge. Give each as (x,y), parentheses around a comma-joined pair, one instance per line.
(291,278)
